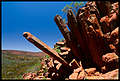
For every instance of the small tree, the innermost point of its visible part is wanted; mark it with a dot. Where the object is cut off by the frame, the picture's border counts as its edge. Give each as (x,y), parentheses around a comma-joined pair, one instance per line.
(74,6)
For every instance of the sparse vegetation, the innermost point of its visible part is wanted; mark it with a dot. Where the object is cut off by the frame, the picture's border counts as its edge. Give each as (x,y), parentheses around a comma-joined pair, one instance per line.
(74,6)
(47,56)
(14,66)
(57,48)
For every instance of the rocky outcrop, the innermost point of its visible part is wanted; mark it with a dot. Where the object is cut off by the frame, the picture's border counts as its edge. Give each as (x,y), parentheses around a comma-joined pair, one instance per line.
(90,48)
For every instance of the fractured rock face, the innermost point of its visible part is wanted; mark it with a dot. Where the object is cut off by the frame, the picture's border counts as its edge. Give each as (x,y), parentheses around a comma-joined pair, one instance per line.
(114,34)
(90,48)
(111,61)
(110,57)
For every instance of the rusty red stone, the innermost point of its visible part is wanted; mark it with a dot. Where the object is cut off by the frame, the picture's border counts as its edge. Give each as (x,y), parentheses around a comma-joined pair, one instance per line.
(38,43)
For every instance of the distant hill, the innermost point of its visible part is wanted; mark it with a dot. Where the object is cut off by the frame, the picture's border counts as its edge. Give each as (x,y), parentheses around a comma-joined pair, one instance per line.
(18,52)
(15,63)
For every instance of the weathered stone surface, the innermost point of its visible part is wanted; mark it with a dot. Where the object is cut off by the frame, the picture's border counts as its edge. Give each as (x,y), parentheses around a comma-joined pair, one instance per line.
(112,74)
(109,23)
(103,69)
(81,20)
(115,6)
(63,49)
(93,9)
(58,66)
(56,62)
(105,24)
(60,43)
(81,75)
(110,57)
(50,64)
(114,34)
(111,61)
(67,35)
(78,69)
(95,46)
(104,7)
(44,47)
(94,78)
(112,47)
(113,21)
(90,49)
(90,71)
(64,53)
(116,42)
(62,27)
(74,64)
(94,22)
(97,74)
(72,24)
(73,76)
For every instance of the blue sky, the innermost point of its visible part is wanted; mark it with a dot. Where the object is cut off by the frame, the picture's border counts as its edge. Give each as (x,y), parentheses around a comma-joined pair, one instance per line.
(34,17)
